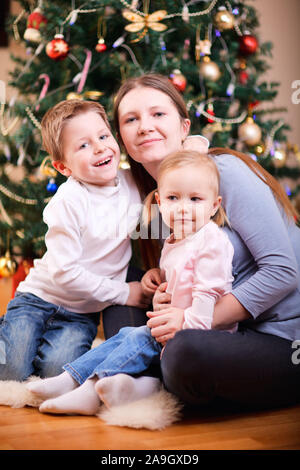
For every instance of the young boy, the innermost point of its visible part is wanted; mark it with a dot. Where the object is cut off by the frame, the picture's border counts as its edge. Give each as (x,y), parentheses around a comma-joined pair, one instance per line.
(54,316)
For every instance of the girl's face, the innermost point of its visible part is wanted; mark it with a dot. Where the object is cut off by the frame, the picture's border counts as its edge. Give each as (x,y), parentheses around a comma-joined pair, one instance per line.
(150,126)
(187,199)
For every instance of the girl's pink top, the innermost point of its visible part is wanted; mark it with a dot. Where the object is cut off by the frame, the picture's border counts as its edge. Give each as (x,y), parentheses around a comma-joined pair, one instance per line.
(198,270)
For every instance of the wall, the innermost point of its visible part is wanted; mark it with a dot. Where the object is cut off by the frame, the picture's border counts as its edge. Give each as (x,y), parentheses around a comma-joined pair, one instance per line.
(279,23)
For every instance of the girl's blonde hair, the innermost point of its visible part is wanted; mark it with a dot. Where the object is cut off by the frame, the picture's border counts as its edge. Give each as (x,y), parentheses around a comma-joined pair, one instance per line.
(184,158)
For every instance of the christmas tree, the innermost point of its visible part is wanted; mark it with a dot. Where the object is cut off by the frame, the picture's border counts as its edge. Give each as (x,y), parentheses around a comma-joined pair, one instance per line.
(210,50)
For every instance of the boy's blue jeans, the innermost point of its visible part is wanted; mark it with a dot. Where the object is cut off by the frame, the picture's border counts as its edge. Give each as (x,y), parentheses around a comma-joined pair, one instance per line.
(129,352)
(38,338)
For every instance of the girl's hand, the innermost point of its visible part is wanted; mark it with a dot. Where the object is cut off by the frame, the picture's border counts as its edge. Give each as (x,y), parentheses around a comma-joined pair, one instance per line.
(161,299)
(150,281)
(137,297)
(165,323)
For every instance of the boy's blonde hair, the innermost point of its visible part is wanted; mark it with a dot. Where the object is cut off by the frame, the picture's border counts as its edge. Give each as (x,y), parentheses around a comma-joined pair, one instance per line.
(56,117)
(180,159)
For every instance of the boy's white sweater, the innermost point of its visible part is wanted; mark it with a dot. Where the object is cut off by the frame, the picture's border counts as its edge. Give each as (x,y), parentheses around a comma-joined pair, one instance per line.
(88,245)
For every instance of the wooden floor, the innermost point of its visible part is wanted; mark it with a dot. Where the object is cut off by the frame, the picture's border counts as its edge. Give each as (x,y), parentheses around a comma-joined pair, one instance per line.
(27,429)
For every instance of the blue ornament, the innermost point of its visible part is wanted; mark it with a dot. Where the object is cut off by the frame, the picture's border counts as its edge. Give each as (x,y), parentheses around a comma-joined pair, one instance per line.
(52,186)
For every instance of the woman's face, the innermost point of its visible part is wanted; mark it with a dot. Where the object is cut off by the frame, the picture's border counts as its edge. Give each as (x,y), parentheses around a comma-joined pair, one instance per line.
(150,126)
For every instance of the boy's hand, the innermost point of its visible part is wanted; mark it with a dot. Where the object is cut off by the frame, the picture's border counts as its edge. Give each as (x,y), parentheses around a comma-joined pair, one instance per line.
(150,281)
(137,297)
(197,143)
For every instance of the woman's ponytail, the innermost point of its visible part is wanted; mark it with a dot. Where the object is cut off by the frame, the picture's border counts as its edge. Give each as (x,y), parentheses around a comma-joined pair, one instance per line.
(150,208)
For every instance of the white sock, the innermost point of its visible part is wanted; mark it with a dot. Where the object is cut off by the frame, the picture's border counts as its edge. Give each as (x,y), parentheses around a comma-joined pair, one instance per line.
(83,401)
(121,388)
(53,386)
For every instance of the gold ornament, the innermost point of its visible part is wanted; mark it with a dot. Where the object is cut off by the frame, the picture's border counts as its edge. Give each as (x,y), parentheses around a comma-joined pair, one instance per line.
(90,95)
(209,69)
(74,96)
(279,158)
(224,20)
(47,169)
(144,22)
(7,265)
(202,46)
(93,95)
(259,150)
(249,132)
(124,163)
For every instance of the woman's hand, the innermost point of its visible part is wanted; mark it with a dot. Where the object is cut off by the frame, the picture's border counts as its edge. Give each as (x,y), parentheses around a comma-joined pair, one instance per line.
(161,299)
(137,297)
(197,143)
(228,311)
(164,324)
(150,281)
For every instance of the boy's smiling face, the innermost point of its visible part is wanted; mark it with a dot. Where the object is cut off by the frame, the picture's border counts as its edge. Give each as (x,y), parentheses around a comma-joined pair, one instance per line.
(91,153)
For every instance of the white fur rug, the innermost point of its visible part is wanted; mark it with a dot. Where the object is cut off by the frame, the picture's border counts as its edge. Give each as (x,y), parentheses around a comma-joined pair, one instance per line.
(155,412)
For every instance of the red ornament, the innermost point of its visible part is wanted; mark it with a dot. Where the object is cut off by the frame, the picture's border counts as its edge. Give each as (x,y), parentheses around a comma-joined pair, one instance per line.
(21,273)
(248,44)
(253,105)
(35,22)
(243,77)
(58,48)
(210,110)
(178,80)
(101,46)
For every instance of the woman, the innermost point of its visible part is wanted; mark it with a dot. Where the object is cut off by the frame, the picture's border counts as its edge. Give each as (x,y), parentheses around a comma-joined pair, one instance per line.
(253,366)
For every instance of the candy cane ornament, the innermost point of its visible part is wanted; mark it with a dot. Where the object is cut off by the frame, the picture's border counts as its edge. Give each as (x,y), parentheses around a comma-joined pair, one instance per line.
(44,89)
(85,70)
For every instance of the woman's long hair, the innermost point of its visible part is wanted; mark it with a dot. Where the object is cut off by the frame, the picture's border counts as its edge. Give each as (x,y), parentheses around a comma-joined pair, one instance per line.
(277,190)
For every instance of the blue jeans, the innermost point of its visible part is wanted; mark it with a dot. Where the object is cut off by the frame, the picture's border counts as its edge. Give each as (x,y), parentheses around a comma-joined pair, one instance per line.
(38,337)
(129,352)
